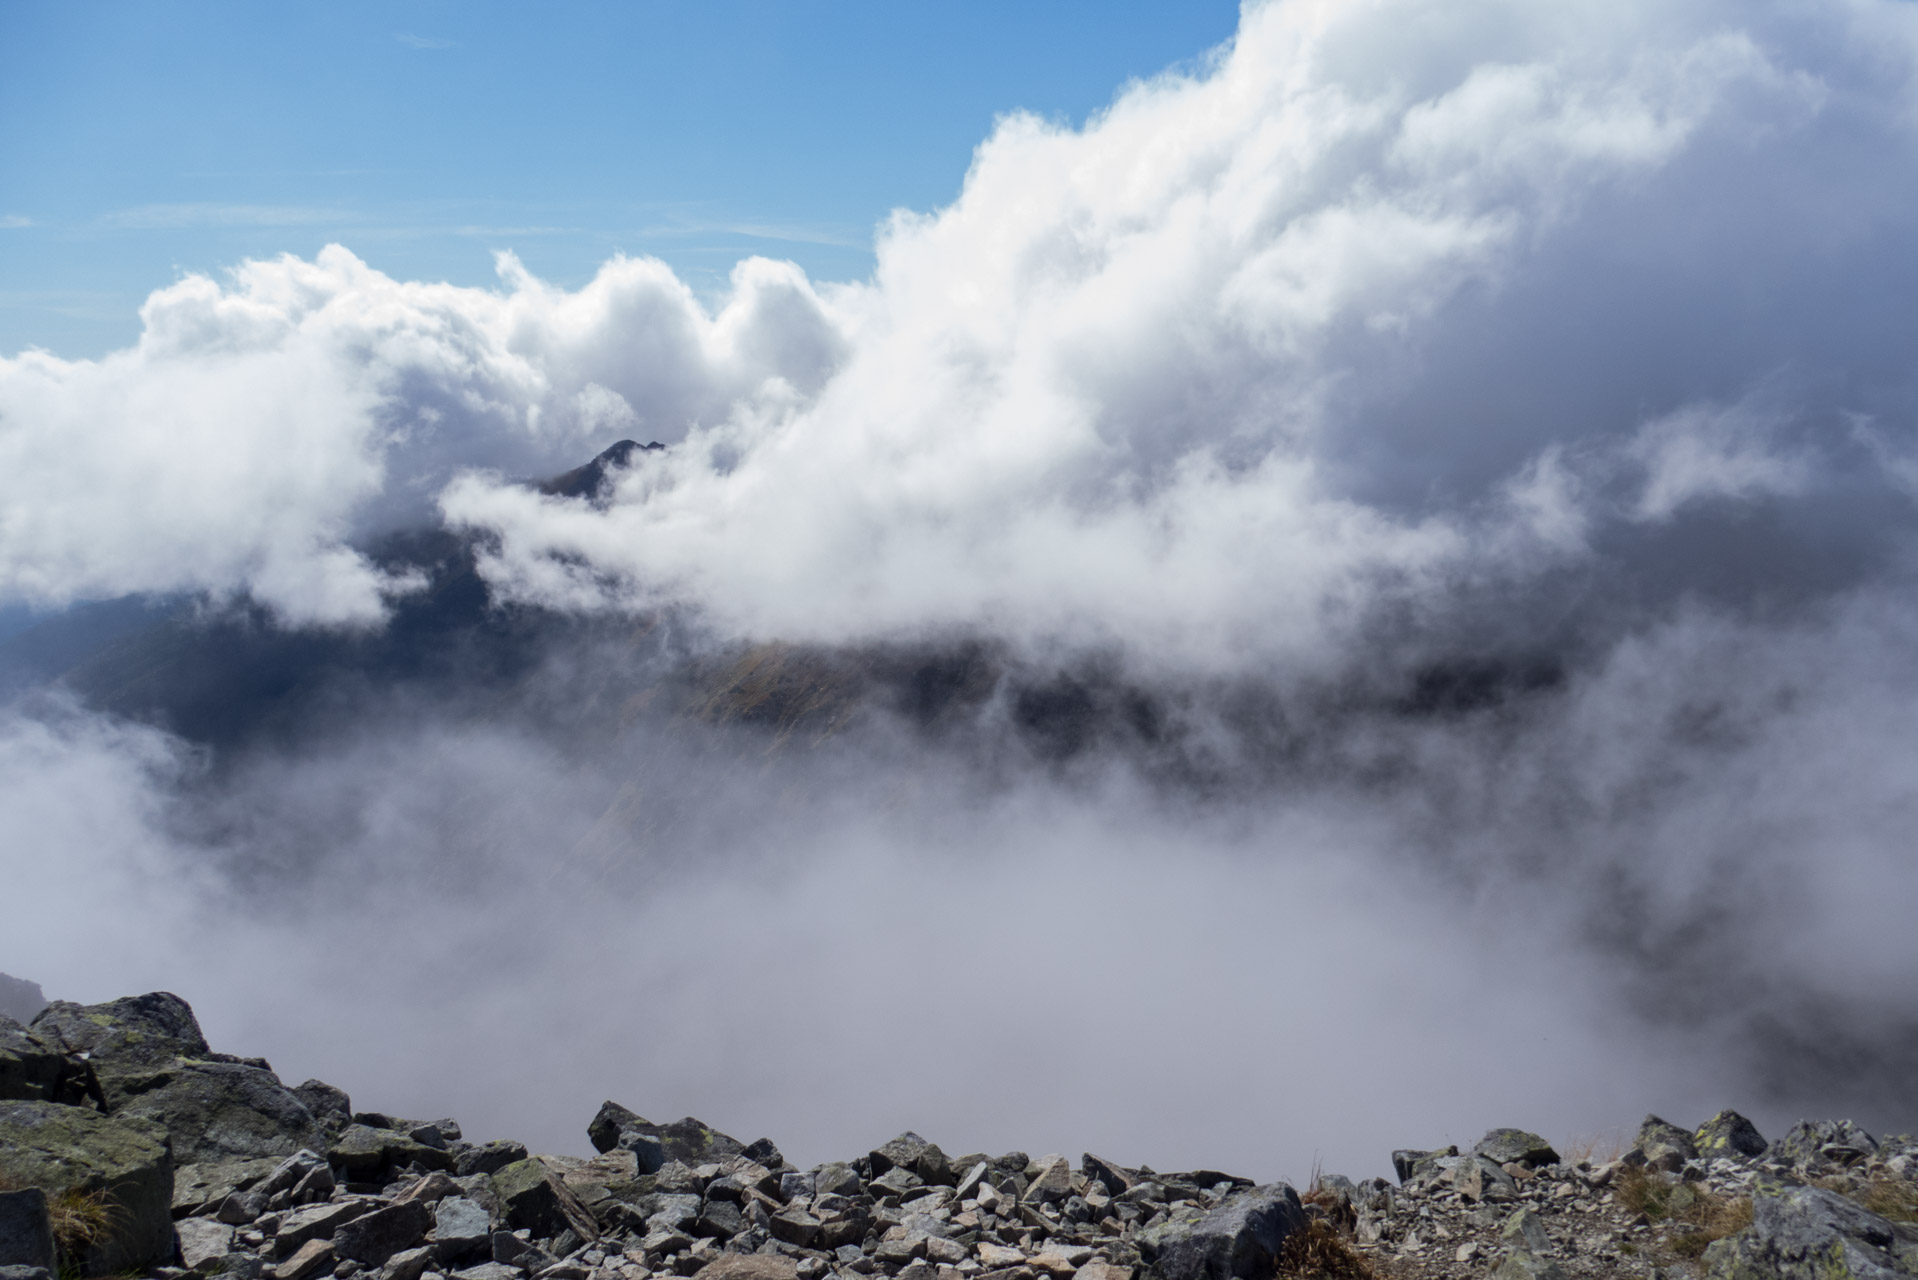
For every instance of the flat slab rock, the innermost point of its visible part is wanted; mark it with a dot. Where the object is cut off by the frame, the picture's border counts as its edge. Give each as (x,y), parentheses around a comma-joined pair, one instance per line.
(755,1266)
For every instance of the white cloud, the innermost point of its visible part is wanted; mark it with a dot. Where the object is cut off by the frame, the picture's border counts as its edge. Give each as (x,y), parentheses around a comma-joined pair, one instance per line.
(1704,452)
(14,221)
(258,428)
(1333,322)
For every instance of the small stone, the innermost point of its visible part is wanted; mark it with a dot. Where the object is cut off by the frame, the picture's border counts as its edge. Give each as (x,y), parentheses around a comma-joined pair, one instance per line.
(1051,1183)
(408,1264)
(1526,1230)
(755,1266)
(1520,1265)
(462,1229)
(1465,1252)
(203,1242)
(308,1260)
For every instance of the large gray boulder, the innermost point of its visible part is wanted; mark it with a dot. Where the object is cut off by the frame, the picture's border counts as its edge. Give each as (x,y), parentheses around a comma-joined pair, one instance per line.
(35,1069)
(689,1141)
(531,1197)
(205,1186)
(1241,1238)
(220,1110)
(1808,1233)
(1515,1146)
(1661,1146)
(1812,1142)
(153,1063)
(913,1153)
(125,1162)
(149,1030)
(366,1154)
(1729,1135)
(26,1230)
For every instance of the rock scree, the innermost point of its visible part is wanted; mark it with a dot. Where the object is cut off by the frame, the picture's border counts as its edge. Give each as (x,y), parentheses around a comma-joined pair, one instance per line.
(129,1147)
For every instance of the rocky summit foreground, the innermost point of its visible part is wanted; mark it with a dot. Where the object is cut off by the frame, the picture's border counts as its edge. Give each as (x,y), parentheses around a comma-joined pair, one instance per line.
(129,1147)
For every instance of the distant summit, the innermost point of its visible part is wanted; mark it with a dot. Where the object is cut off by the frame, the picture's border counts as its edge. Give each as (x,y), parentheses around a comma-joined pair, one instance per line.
(19,999)
(586,481)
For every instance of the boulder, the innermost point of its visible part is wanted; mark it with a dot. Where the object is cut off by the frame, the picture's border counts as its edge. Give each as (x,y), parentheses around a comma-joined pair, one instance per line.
(329,1106)
(26,1230)
(1526,1230)
(200,1187)
(1477,1179)
(203,1242)
(754,1266)
(149,1030)
(687,1140)
(1117,1177)
(309,1260)
(489,1271)
(1728,1134)
(1832,1141)
(369,1155)
(1051,1182)
(609,1122)
(36,1069)
(530,1196)
(1409,1162)
(217,1110)
(509,1250)
(486,1157)
(1515,1146)
(302,1227)
(1520,1264)
(409,1264)
(762,1151)
(153,1063)
(73,1149)
(1661,1146)
(462,1230)
(1808,1233)
(836,1179)
(372,1238)
(1241,1238)
(304,1177)
(911,1152)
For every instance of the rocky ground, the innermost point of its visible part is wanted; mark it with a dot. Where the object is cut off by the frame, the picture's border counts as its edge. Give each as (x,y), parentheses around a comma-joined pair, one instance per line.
(129,1147)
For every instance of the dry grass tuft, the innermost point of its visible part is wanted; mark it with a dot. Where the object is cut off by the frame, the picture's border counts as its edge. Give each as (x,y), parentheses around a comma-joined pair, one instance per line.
(1891,1198)
(1642,1191)
(1321,1251)
(81,1219)
(1698,1216)
(1712,1219)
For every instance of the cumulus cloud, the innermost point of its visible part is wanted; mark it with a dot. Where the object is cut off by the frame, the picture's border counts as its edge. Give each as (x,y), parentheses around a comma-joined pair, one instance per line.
(262,430)
(1254,346)
(1194,376)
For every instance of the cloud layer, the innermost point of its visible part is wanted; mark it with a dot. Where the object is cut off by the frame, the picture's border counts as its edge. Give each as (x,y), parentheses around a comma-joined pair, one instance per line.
(1399,346)
(1383,297)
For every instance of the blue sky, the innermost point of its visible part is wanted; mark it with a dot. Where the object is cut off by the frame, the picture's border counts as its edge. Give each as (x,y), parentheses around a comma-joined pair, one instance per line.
(144,140)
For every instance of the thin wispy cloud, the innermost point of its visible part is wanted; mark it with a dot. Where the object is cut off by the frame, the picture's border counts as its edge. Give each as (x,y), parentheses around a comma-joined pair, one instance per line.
(412,41)
(163,217)
(14,221)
